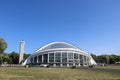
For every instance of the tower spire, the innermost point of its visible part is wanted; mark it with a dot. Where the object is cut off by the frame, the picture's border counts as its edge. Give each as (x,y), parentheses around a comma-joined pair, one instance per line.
(21,51)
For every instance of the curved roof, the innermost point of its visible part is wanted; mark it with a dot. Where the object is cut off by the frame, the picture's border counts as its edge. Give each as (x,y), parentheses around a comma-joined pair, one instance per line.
(56,45)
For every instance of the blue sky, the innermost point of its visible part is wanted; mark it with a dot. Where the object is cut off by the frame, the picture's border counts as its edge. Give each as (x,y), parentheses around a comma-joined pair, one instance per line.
(91,25)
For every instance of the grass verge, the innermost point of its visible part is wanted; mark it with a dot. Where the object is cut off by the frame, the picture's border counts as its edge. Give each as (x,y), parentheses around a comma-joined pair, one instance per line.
(55,74)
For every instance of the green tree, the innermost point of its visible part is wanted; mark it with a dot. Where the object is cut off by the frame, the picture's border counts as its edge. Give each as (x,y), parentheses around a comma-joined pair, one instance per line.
(4,58)
(117,58)
(112,60)
(94,57)
(102,59)
(26,56)
(14,57)
(3,45)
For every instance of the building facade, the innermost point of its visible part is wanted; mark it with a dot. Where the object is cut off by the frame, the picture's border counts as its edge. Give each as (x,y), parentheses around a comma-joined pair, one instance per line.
(60,54)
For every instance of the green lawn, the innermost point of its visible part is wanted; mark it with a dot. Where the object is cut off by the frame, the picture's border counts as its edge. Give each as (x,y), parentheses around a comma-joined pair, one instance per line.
(55,74)
(109,67)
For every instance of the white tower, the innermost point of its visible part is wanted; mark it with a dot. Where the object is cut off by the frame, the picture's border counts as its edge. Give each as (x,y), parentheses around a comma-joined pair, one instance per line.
(21,51)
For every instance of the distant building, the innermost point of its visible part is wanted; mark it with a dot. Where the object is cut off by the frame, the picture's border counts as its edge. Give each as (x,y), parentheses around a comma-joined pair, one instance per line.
(60,54)
(21,51)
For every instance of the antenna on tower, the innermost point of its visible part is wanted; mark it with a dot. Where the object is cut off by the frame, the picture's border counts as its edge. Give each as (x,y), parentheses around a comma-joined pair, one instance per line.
(21,51)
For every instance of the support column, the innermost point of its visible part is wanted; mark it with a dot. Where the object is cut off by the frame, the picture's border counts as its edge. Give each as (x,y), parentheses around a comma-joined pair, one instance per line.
(61,60)
(42,58)
(78,60)
(61,65)
(83,60)
(54,65)
(79,65)
(37,58)
(67,60)
(67,65)
(73,60)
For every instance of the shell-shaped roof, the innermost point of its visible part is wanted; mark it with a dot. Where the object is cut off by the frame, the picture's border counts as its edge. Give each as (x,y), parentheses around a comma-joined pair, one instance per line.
(56,45)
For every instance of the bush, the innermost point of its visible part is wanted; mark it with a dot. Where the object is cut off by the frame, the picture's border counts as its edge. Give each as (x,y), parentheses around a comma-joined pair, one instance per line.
(91,66)
(73,67)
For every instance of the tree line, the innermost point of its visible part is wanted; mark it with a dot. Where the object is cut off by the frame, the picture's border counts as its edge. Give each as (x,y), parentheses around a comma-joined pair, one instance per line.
(106,59)
(11,58)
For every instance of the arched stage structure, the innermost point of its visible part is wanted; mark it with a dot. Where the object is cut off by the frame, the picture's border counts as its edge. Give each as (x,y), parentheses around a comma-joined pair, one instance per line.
(60,54)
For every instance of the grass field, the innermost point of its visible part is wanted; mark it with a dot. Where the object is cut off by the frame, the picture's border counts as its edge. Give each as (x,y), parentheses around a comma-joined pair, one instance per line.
(55,74)
(109,67)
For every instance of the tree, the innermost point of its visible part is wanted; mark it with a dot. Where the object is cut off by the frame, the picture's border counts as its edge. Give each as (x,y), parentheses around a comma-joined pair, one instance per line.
(94,57)
(3,45)
(112,60)
(26,56)
(102,59)
(4,58)
(14,57)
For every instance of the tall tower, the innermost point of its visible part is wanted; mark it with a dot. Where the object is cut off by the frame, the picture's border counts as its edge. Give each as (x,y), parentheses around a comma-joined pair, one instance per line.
(21,51)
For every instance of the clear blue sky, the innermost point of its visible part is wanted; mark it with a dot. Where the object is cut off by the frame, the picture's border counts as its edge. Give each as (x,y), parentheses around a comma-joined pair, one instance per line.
(91,25)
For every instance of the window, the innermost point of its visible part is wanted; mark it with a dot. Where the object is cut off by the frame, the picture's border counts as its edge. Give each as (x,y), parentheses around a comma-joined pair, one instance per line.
(70,55)
(76,60)
(84,59)
(59,45)
(45,57)
(71,60)
(31,60)
(80,56)
(64,57)
(40,58)
(35,59)
(51,57)
(57,57)
(75,56)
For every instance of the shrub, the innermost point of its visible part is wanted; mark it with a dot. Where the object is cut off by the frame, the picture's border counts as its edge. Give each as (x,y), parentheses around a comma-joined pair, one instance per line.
(91,66)
(73,67)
